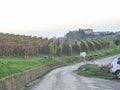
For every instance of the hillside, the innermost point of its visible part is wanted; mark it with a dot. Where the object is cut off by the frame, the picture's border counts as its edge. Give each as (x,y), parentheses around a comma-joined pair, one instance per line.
(72,42)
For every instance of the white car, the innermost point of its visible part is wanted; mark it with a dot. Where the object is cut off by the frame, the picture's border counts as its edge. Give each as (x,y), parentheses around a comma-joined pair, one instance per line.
(115,67)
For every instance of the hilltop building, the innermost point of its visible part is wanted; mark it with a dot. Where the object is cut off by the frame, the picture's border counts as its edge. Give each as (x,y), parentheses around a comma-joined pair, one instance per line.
(88,31)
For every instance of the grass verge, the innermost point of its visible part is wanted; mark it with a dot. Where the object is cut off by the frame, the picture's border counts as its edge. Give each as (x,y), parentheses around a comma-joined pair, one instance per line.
(105,52)
(12,65)
(93,70)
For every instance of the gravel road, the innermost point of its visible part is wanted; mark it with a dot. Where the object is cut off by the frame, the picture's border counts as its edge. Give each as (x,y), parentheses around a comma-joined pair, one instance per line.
(66,78)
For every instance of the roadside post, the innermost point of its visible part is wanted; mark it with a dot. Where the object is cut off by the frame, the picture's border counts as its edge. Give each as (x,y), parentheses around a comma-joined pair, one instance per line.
(84,55)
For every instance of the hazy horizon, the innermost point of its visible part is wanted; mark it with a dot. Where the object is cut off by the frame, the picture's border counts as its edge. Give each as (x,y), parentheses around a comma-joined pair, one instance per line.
(61,32)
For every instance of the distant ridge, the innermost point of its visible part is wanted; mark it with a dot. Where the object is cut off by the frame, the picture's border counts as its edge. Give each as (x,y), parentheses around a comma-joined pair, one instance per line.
(87,34)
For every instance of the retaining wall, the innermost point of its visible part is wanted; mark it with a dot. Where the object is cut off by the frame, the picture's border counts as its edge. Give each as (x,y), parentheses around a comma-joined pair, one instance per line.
(19,80)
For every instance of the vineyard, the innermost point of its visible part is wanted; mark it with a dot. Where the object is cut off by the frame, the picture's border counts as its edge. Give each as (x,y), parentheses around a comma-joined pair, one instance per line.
(21,45)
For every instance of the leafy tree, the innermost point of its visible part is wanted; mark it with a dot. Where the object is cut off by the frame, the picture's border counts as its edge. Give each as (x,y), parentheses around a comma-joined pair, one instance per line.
(84,46)
(53,48)
(91,45)
(98,45)
(61,46)
(77,45)
(117,41)
(70,47)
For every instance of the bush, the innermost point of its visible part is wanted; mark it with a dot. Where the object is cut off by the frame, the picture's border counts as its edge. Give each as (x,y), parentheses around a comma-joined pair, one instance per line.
(104,68)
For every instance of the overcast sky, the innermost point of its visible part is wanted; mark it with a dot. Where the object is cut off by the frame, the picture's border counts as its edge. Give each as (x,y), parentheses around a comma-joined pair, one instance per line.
(28,15)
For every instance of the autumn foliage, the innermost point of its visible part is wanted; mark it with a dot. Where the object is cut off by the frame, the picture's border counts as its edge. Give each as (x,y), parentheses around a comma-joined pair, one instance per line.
(21,45)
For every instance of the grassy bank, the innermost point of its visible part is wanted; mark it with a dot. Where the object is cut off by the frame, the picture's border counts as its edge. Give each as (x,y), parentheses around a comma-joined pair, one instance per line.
(92,70)
(105,52)
(12,65)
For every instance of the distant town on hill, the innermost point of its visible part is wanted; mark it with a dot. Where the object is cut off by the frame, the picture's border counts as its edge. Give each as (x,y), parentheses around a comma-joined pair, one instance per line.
(89,34)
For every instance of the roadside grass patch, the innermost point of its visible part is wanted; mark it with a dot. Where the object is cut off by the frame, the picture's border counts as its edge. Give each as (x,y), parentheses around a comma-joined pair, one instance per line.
(105,52)
(9,66)
(12,65)
(93,70)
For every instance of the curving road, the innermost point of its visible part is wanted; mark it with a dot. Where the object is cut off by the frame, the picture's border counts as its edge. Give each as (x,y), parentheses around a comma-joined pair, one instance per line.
(66,78)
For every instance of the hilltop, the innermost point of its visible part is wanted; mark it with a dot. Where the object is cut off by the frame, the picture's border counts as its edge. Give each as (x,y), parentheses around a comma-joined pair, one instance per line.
(88,34)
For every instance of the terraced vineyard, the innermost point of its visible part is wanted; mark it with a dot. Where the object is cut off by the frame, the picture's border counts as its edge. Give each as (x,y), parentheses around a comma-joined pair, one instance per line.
(21,45)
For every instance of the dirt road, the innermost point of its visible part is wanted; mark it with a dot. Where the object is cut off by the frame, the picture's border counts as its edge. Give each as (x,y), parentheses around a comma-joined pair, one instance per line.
(66,78)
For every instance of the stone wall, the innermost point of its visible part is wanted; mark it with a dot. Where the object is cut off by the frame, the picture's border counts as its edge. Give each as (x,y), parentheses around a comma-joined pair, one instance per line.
(19,80)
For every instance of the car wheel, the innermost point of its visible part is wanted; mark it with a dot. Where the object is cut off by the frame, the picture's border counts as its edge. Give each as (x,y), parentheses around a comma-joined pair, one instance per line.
(118,74)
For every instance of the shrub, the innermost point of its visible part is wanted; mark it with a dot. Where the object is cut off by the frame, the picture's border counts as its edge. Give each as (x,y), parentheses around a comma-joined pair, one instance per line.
(104,68)
(84,46)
